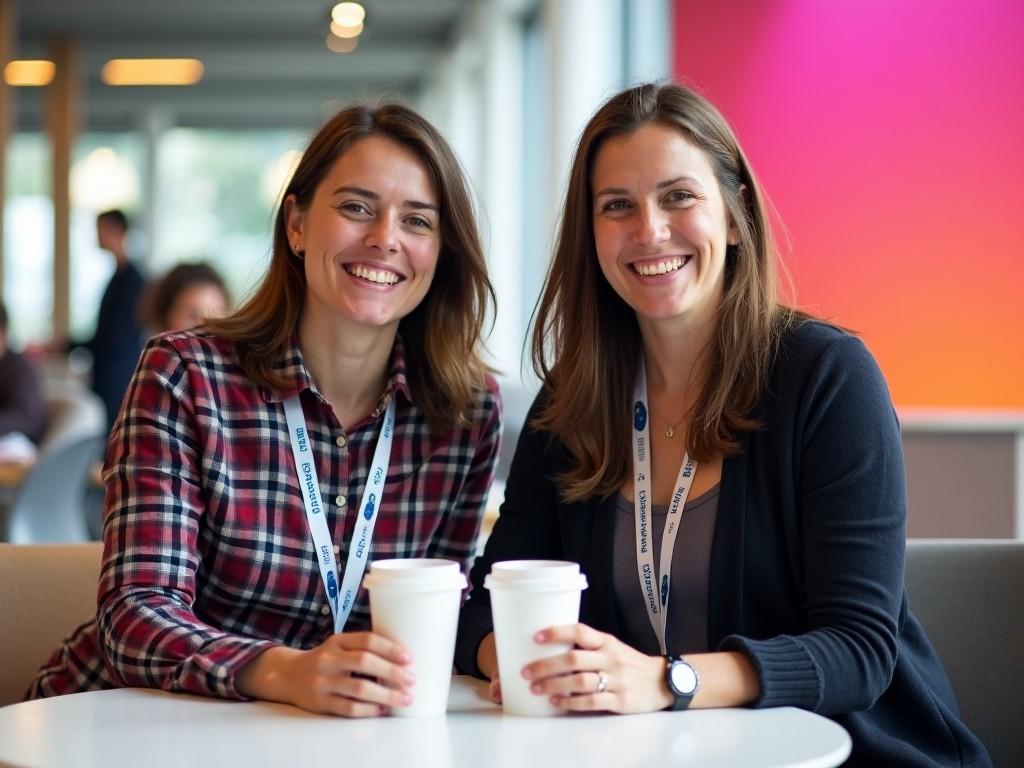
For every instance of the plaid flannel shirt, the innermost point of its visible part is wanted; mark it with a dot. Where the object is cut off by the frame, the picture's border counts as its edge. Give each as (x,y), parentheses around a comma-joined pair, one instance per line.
(208,559)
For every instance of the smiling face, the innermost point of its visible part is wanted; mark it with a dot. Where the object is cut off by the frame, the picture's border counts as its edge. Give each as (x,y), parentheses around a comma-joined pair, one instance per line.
(660,225)
(371,236)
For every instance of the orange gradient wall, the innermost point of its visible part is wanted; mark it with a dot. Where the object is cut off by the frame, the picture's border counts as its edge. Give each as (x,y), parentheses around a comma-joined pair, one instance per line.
(889,134)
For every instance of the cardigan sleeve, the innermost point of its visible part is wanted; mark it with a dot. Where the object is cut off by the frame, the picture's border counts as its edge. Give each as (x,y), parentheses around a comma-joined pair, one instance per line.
(527,527)
(851,497)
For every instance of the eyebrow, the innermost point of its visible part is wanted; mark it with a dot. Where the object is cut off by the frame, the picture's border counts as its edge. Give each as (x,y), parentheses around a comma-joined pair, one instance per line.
(661,185)
(417,204)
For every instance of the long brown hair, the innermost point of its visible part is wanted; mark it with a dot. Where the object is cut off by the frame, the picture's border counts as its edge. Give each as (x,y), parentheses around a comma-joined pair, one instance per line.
(443,334)
(586,340)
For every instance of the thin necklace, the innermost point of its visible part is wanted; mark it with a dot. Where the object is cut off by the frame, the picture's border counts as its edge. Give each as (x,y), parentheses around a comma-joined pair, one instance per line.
(670,429)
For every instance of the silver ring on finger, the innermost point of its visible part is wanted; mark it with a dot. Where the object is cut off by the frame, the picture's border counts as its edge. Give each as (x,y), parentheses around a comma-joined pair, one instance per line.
(602,682)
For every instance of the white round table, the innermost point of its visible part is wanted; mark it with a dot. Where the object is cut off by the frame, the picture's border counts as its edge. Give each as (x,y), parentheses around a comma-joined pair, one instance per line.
(140,727)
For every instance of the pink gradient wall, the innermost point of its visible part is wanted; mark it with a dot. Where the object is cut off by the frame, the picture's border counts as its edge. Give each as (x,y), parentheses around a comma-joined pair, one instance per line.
(890,136)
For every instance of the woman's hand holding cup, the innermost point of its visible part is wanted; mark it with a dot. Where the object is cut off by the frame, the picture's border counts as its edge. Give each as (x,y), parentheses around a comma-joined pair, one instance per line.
(600,673)
(352,674)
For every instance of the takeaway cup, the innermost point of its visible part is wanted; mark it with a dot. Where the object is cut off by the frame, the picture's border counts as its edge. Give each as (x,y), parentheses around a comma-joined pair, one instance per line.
(415,602)
(526,597)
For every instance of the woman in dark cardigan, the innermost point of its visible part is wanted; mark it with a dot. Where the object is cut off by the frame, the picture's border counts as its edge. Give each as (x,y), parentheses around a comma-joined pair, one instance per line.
(727,471)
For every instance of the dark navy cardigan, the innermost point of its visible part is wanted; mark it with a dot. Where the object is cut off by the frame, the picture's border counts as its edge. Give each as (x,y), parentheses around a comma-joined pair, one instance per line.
(807,563)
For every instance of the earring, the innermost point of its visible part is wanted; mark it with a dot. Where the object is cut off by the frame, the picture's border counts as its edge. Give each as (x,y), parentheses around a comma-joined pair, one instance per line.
(298,251)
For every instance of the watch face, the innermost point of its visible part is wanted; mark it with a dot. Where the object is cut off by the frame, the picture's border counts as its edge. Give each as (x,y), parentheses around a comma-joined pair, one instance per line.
(684,679)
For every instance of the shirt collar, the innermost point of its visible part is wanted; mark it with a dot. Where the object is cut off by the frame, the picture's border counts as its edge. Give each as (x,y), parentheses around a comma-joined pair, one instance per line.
(292,367)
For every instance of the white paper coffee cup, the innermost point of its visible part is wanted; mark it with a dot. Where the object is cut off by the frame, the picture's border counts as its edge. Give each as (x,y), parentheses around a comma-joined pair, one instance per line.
(415,602)
(526,597)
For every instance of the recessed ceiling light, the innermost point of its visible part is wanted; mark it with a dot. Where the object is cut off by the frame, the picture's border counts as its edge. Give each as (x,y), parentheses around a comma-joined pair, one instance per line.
(29,72)
(152,72)
(348,14)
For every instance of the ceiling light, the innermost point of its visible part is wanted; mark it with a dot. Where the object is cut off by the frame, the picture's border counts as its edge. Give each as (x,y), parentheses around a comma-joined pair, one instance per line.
(152,72)
(29,72)
(348,14)
(341,44)
(339,30)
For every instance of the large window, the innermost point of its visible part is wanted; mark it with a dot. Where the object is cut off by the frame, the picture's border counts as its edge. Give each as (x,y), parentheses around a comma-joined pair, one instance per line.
(213,200)
(28,236)
(539,210)
(217,197)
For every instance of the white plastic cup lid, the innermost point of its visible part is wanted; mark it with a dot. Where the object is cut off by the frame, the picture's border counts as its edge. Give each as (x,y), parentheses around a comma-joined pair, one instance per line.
(536,575)
(415,574)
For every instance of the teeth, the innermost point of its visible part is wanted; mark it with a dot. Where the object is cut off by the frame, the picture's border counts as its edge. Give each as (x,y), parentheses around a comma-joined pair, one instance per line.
(379,276)
(661,268)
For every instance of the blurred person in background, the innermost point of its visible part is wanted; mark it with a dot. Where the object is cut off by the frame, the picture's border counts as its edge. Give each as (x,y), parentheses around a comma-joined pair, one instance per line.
(186,296)
(22,408)
(257,462)
(117,342)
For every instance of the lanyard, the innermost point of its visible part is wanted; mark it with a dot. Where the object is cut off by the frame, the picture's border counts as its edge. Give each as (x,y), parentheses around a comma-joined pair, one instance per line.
(363,533)
(655,600)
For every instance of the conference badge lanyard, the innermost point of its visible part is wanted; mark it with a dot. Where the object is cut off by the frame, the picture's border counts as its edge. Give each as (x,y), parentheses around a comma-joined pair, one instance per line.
(655,599)
(340,601)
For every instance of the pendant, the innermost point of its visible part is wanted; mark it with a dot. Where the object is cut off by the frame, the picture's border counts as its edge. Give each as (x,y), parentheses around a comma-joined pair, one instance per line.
(669,432)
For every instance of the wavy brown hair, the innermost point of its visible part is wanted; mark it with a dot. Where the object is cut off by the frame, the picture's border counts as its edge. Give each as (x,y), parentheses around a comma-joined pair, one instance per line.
(443,334)
(586,339)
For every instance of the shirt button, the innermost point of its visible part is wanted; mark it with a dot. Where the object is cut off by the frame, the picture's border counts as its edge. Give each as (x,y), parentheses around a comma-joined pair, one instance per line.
(341,441)
(325,610)
(340,501)
(337,549)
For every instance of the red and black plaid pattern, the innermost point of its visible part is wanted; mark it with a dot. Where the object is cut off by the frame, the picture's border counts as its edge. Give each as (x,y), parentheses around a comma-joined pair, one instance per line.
(207,557)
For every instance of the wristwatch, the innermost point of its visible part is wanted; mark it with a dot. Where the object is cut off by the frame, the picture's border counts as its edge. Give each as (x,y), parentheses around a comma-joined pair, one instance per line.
(682,680)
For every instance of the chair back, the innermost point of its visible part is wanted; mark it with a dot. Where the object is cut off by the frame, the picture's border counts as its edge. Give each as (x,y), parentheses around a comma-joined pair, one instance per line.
(72,412)
(516,400)
(45,592)
(969,596)
(50,506)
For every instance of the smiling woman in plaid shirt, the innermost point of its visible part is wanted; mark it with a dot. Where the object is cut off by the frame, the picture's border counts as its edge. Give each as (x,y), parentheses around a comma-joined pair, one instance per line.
(372,309)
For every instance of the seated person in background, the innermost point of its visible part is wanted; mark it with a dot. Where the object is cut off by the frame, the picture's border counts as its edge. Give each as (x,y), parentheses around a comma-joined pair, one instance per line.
(732,485)
(189,294)
(343,410)
(117,342)
(21,394)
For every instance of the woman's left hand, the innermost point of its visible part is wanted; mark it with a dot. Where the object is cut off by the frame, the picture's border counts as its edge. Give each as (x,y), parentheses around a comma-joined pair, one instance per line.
(600,674)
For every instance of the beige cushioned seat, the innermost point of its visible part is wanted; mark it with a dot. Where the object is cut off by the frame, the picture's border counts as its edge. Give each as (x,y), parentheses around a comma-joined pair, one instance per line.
(46,590)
